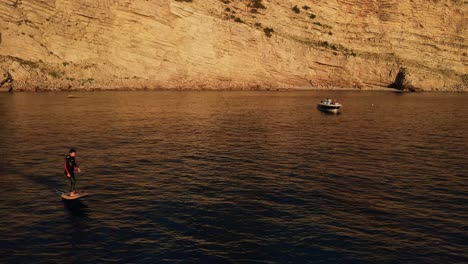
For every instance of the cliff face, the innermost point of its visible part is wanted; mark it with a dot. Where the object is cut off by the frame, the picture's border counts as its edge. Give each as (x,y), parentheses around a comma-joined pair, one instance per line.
(81,44)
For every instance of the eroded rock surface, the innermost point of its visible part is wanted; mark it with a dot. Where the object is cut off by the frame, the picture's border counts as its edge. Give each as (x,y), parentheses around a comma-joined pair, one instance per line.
(220,44)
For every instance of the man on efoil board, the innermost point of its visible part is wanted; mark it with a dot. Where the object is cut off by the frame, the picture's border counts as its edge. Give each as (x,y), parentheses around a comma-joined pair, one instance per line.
(70,166)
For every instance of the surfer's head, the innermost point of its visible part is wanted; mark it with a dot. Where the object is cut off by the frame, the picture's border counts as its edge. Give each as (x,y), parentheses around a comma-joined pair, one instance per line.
(72,152)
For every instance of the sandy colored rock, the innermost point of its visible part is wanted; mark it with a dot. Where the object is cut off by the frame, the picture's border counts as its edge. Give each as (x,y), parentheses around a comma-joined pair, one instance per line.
(208,44)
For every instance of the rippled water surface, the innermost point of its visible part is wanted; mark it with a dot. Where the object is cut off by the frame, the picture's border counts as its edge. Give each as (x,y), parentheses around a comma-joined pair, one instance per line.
(235,177)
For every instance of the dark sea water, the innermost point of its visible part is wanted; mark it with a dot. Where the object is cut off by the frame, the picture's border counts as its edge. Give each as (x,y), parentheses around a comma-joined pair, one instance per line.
(235,177)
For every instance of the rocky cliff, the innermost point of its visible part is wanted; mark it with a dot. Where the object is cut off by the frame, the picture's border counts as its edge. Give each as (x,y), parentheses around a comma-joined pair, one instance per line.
(108,44)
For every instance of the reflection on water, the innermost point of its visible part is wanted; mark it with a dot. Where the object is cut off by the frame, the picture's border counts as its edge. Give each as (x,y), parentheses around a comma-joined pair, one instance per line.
(75,208)
(235,177)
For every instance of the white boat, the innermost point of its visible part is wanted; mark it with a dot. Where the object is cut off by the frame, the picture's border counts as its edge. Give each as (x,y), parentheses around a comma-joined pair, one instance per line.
(329,107)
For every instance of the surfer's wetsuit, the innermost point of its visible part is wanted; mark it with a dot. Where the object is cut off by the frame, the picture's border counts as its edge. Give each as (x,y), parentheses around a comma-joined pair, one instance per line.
(69,166)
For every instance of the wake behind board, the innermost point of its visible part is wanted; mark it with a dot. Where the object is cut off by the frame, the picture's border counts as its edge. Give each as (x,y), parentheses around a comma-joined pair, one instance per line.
(66,196)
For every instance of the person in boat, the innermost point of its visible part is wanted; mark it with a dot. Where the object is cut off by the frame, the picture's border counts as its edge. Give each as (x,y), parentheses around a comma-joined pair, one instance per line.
(70,166)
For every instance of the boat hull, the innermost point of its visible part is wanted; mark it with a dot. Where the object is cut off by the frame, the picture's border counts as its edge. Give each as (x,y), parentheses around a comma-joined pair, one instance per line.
(329,108)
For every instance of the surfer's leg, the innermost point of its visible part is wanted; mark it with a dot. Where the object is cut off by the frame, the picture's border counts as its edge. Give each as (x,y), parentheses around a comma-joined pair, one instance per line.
(73,183)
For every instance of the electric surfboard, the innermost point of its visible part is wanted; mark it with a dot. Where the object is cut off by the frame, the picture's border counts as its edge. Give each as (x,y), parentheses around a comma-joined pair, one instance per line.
(66,195)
